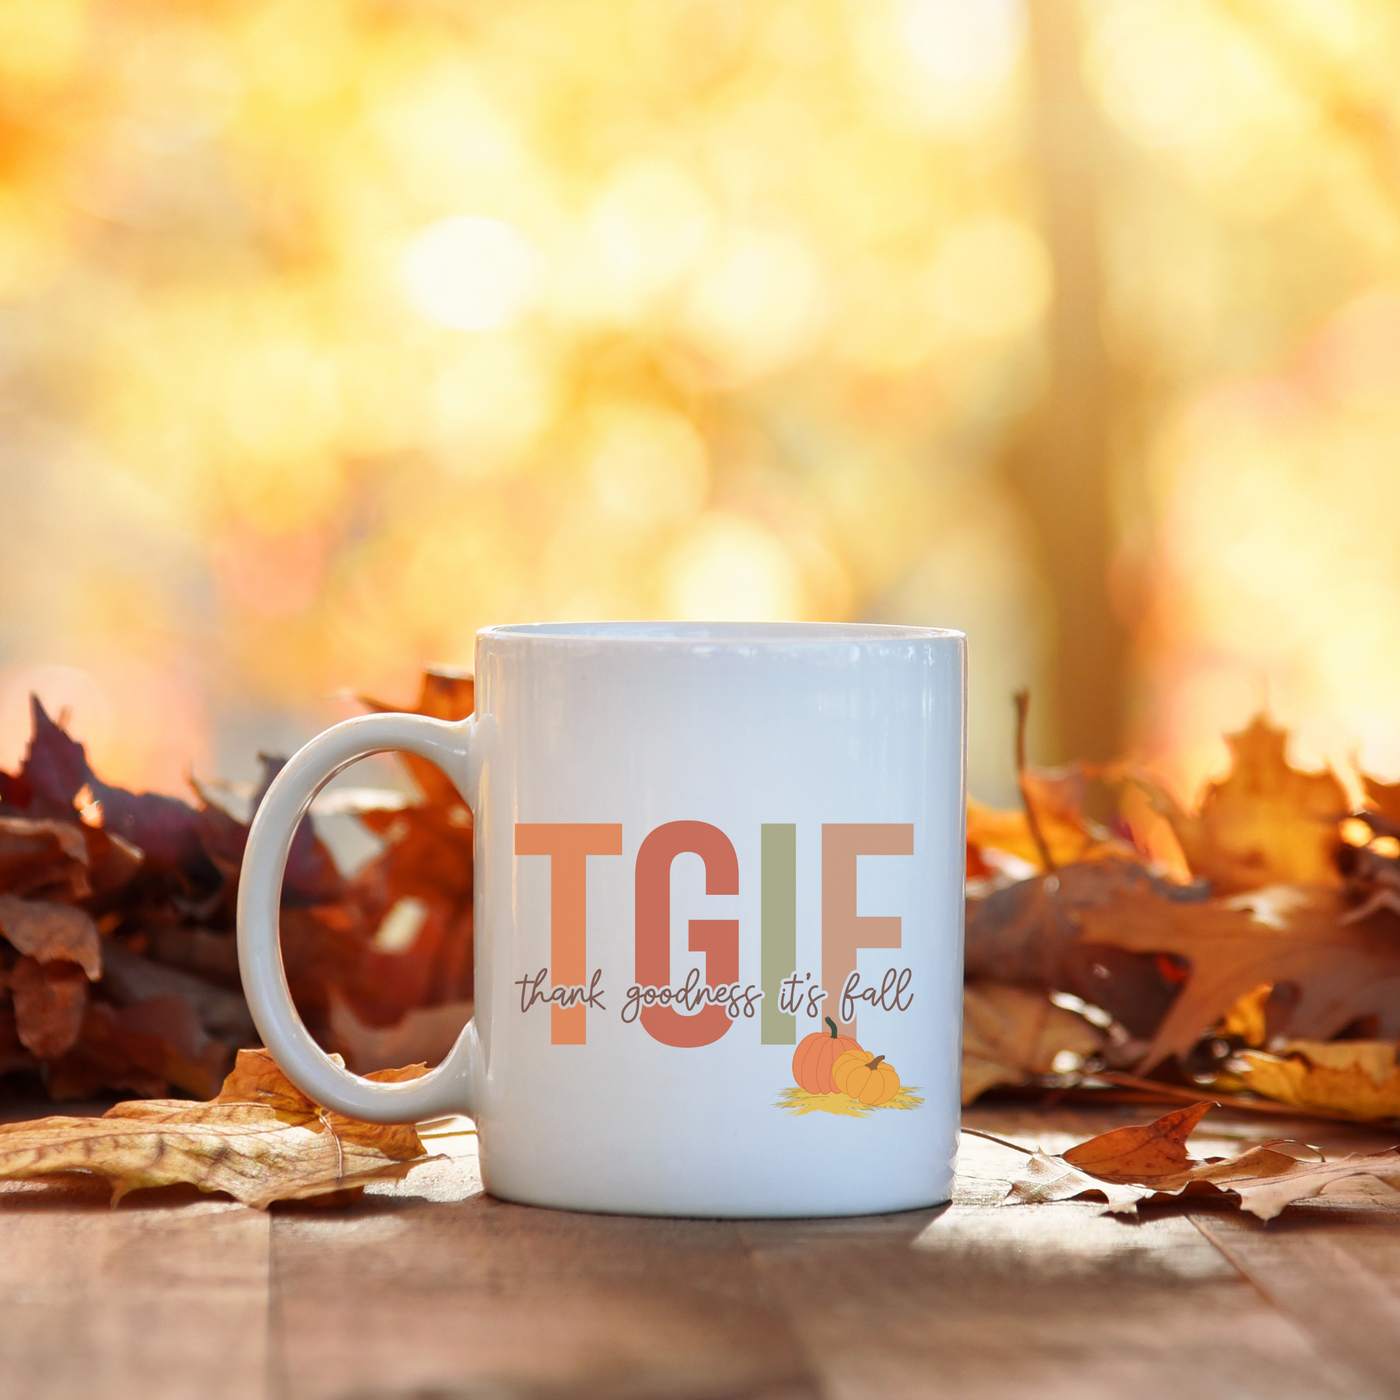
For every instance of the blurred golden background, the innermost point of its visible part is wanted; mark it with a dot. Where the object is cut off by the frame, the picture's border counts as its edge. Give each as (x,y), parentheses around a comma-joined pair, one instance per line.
(331,330)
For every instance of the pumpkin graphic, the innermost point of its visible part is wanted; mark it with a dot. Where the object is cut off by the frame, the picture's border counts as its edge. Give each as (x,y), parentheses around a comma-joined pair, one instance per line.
(871,1081)
(811,1065)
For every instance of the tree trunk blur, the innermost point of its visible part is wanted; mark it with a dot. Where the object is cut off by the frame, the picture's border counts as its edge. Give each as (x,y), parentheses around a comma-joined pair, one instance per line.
(1062,469)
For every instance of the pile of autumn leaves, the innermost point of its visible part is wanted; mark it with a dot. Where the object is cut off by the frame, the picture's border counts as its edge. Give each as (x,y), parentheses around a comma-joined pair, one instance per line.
(1266,964)
(1253,952)
(118,963)
(1261,958)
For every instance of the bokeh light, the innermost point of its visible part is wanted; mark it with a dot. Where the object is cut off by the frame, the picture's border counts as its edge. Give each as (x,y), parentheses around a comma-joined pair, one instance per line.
(331,331)
(472,273)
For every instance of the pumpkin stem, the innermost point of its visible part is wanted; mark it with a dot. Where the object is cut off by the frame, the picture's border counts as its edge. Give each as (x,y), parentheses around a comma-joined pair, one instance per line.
(875,1062)
(832,1024)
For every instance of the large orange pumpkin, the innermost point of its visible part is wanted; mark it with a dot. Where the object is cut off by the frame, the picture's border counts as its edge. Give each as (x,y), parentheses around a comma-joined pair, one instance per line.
(811,1065)
(870,1080)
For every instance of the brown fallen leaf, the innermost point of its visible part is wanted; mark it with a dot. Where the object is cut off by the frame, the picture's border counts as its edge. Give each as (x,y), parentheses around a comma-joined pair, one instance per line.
(143,1046)
(1287,934)
(443,694)
(261,1141)
(1356,1077)
(1383,797)
(1141,1154)
(157,876)
(1129,1165)
(256,1078)
(427,1034)
(1247,1021)
(1265,823)
(43,858)
(991,830)
(422,883)
(1011,1034)
(1051,829)
(50,999)
(1031,934)
(46,931)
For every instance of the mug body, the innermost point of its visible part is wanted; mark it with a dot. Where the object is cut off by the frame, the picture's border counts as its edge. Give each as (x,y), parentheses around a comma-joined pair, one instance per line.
(696,843)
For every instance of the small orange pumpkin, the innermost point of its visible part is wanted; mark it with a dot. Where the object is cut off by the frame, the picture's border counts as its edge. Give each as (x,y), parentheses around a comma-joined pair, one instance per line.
(811,1065)
(871,1081)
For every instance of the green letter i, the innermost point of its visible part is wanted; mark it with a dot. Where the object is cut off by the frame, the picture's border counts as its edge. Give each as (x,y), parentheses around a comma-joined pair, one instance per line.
(779,933)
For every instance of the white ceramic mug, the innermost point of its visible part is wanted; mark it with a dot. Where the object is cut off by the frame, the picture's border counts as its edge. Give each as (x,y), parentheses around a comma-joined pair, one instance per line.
(701,850)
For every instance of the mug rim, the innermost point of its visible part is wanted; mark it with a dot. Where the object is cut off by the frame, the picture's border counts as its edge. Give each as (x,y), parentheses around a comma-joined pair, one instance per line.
(653,633)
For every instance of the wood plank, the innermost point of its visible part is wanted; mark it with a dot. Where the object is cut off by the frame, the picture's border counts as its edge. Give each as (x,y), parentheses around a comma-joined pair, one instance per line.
(1002,1302)
(427,1286)
(151,1301)
(1043,1301)
(1333,1267)
(472,1295)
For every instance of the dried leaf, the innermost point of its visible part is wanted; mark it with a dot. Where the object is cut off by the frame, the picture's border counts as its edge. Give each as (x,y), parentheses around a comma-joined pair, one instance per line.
(1383,797)
(1342,971)
(1266,1180)
(1029,934)
(1265,823)
(1057,796)
(1247,1021)
(43,859)
(1356,1077)
(112,861)
(250,1147)
(141,1047)
(426,869)
(151,1026)
(1045,1179)
(311,876)
(443,694)
(13,1054)
(50,999)
(1141,1155)
(55,767)
(426,1033)
(129,978)
(1129,1165)
(256,1078)
(1013,1033)
(164,828)
(46,931)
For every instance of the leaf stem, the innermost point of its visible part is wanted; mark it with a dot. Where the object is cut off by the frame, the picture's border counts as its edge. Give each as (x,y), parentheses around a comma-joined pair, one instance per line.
(1001,1142)
(1023,706)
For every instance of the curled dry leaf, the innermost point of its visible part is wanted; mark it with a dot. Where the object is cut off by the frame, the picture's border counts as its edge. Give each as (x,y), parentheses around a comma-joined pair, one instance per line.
(1143,1154)
(1029,934)
(1265,823)
(143,1046)
(1013,1033)
(428,1033)
(43,858)
(46,932)
(1056,795)
(1341,970)
(49,999)
(1359,1078)
(415,900)
(1383,798)
(261,1140)
(157,876)
(1129,1165)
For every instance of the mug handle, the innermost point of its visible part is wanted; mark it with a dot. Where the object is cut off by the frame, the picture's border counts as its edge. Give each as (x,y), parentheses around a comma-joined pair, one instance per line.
(450,1088)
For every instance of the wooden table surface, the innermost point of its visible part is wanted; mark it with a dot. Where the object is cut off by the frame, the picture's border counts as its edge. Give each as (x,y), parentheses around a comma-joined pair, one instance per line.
(431,1290)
